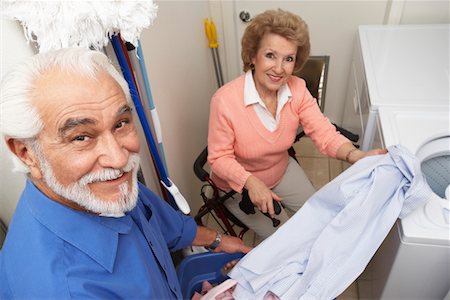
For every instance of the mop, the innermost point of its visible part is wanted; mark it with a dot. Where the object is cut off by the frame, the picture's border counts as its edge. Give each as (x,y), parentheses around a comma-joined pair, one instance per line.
(211,34)
(54,25)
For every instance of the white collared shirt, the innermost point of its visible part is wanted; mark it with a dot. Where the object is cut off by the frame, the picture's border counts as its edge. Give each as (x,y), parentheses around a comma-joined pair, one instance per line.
(251,97)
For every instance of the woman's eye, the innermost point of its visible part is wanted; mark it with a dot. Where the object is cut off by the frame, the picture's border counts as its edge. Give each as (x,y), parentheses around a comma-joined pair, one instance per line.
(269,55)
(290,59)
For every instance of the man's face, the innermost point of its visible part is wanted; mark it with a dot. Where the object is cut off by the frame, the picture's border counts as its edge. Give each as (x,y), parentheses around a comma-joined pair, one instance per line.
(87,139)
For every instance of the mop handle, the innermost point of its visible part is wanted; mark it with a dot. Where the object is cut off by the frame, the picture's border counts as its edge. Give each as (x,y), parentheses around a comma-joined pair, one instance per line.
(181,202)
(153,111)
(138,63)
(137,103)
(211,34)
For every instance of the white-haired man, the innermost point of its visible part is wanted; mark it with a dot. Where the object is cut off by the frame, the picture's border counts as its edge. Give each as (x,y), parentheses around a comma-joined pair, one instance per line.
(84,227)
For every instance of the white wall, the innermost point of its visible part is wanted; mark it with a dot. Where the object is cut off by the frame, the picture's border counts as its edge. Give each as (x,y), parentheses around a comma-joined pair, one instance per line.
(182,79)
(422,12)
(13,49)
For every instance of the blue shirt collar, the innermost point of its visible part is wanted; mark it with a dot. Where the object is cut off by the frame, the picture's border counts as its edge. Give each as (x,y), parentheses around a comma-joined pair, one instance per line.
(76,227)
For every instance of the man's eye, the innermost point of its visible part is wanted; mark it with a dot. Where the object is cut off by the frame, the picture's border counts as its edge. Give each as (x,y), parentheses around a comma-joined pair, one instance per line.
(122,124)
(80,138)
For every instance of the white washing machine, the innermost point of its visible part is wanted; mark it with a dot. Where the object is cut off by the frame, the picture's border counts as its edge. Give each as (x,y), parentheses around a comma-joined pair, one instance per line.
(395,65)
(414,260)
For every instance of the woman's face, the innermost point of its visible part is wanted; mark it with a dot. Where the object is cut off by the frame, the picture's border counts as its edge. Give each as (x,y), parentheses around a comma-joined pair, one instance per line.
(274,63)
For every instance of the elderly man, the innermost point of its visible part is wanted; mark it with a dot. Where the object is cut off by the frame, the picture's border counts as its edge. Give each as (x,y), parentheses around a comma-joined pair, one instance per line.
(84,227)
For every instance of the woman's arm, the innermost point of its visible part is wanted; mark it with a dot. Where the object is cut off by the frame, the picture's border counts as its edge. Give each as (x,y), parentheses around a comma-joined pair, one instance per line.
(314,123)
(347,152)
(221,139)
(322,132)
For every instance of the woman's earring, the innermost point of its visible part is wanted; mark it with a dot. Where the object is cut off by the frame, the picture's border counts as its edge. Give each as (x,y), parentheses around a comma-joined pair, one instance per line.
(252,66)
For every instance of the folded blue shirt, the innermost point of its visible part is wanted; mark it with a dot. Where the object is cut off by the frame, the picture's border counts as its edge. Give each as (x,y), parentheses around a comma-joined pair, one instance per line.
(324,247)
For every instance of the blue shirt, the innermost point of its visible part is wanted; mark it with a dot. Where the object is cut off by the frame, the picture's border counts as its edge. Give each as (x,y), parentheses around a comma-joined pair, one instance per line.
(54,252)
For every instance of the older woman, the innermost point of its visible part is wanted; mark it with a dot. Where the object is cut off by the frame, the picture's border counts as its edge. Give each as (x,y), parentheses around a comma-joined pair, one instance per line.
(254,120)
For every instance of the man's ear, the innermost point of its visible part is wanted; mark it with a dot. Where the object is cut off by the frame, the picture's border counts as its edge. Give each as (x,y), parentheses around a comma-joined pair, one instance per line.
(26,155)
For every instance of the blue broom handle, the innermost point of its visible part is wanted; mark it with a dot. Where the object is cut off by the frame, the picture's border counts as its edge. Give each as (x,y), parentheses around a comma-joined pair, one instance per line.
(116,43)
(175,198)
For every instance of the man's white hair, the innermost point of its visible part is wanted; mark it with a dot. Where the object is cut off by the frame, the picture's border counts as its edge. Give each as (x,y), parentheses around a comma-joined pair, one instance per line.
(19,118)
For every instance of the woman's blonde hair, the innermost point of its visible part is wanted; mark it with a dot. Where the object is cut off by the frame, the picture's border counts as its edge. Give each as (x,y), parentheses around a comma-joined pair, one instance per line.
(280,22)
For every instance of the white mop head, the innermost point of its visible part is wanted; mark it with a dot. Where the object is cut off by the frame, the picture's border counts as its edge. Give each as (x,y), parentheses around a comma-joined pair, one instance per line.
(60,24)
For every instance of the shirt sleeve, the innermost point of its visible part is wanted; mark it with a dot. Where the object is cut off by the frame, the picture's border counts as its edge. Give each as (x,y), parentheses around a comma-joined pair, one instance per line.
(177,229)
(315,124)
(221,138)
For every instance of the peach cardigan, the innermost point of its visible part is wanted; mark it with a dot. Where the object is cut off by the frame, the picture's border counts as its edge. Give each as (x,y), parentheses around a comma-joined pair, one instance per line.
(239,144)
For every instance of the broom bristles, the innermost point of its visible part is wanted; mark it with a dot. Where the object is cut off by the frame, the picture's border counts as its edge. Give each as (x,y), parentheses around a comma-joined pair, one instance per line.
(59,24)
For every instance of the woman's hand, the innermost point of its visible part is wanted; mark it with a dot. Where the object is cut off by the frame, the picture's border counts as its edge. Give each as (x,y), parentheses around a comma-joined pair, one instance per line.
(347,152)
(260,195)
(357,155)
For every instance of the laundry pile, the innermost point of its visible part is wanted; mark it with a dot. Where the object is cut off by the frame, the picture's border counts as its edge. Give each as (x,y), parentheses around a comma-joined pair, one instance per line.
(327,244)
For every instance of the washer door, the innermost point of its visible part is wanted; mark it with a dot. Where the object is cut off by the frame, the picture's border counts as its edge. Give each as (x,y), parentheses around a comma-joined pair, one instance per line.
(435,163)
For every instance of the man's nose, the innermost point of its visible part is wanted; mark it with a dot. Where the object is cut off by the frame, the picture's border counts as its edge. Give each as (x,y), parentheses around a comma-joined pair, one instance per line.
(112,153)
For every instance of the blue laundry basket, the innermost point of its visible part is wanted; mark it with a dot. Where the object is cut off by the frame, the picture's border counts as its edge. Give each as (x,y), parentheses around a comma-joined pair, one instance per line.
(197,268)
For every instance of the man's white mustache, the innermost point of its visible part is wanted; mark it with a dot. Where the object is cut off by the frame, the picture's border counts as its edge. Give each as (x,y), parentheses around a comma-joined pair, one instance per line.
(109,173)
